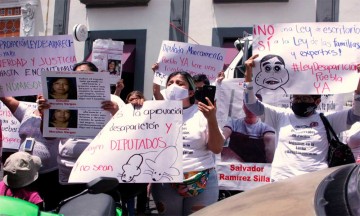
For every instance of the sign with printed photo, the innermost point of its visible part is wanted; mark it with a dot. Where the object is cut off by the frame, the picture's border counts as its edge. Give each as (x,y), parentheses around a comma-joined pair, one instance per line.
(107,55)
(75,99)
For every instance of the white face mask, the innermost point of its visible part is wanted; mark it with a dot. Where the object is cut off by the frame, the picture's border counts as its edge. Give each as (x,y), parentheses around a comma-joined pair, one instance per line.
(175,92)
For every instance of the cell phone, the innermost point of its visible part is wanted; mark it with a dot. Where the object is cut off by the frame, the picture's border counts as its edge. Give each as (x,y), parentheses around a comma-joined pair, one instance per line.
(29,144)
(206,91)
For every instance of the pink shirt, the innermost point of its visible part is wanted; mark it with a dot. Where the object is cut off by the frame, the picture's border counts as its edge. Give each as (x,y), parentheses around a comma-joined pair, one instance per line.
(21,193)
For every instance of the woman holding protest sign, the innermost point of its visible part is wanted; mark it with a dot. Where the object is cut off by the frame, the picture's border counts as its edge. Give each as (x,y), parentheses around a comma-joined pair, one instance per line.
(201,140)
(70,149)
(33,142)
(302,144)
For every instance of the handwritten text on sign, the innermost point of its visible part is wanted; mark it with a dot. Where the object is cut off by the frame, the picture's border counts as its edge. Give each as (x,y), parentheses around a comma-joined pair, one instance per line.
(10,126)
(137,145)
(194,59)
(306,58)
(22,59)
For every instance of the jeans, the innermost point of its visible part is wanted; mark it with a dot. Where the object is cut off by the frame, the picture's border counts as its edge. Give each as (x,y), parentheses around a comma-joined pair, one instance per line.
(169,202)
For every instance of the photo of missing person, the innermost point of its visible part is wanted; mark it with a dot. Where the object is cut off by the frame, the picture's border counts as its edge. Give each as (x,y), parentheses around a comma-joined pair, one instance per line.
(114,67)
(60,118)
(243,148)
(62,88)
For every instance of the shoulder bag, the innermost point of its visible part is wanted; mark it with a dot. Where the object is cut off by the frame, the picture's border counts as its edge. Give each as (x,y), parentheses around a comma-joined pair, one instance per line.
(339,153)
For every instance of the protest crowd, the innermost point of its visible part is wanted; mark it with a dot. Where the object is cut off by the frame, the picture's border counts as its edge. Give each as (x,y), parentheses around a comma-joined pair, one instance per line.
(55,146)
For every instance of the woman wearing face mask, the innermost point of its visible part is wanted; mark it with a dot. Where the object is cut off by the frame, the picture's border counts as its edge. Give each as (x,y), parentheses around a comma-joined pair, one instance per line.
(201,140)
(302,143)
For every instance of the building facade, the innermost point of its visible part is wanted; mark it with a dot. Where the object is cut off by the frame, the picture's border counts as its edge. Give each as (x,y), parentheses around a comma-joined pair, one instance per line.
(144,24)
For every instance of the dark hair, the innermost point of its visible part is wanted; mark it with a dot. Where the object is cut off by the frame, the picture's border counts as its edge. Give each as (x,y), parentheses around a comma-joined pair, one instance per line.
(201,78)
(91,65)
(72,93)
(188,78)
(72,122)
(259,97)
(137,93)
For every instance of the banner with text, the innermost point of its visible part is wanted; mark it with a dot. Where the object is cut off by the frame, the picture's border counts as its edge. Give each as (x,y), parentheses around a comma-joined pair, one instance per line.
(306,58)
(23,59)
(192,58)
(136,145)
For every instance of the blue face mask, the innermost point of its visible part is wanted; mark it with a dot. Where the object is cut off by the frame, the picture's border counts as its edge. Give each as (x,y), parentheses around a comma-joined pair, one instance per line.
(303,109)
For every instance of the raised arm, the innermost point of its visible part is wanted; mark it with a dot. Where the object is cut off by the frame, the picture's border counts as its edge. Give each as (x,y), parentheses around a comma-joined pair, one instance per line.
(156,87)
(249,64)
(119,87)
(11,103)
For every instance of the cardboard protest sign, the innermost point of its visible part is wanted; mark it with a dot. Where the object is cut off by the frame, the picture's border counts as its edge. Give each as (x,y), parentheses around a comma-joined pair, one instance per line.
(194,59)
(136,145)
(10,127)
(306,58)
(75,99)
(23,59)
(107,55)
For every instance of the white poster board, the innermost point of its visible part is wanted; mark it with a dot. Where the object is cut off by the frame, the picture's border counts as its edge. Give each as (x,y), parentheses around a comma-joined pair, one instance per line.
(107,55)
(10,127)
(192,58)
(23,59)
(81,110)
(306,58)
(137,145)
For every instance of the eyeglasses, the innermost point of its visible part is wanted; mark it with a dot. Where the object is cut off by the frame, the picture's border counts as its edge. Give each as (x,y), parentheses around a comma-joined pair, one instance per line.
(302,98)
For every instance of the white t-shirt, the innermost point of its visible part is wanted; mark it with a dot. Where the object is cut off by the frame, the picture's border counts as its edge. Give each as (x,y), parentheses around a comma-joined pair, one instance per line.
(45,149)
(302,143)
(196,155)
(352,138)
(71,149)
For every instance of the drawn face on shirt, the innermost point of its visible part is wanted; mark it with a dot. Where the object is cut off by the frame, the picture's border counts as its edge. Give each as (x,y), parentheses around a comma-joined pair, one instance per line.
(273,73)
(60,86)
